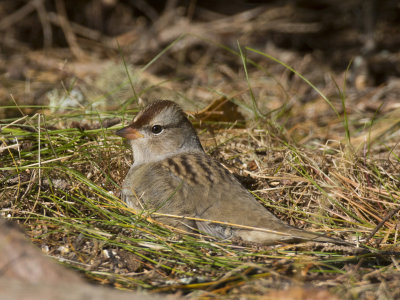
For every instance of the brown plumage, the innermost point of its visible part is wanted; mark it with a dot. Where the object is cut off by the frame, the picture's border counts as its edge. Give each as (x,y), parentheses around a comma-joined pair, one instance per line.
(172,174)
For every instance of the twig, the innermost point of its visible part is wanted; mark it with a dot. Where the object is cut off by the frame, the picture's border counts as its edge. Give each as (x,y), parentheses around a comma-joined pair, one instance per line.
(68,32)
(19,14)
(381,223)
(81,30)
(46,26)
(146,9)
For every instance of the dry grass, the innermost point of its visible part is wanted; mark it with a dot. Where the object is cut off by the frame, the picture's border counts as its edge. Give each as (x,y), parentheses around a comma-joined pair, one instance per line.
(329,165)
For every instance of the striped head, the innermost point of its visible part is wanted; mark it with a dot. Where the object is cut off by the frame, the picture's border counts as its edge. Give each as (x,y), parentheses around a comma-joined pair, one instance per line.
(159,131)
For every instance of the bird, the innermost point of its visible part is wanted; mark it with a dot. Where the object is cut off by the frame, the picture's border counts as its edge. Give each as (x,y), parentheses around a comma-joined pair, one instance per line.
(173,179)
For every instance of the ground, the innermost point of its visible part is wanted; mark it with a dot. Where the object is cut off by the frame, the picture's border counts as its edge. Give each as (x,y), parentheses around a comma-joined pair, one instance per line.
(299,100)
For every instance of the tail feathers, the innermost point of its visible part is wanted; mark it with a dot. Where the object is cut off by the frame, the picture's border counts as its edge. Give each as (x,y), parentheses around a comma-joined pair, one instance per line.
(316,237)
(287,235)
(277,233)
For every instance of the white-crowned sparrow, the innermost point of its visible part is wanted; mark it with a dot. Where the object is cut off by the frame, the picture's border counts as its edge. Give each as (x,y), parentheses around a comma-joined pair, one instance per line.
(172,175)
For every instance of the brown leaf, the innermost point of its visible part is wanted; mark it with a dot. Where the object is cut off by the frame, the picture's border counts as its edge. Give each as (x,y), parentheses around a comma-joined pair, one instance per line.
(220,110)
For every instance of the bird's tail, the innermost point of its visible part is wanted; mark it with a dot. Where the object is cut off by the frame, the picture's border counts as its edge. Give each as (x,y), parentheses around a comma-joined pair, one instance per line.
(286,234)
(302,235)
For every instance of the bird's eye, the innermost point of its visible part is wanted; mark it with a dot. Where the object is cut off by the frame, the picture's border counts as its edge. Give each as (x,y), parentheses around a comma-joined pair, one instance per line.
(156,129)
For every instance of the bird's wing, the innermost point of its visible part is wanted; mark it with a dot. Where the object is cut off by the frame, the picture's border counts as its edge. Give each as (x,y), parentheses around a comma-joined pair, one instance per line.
(227,201)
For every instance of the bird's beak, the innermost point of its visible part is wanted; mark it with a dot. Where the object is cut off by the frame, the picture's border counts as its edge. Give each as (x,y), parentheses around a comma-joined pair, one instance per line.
(129,133)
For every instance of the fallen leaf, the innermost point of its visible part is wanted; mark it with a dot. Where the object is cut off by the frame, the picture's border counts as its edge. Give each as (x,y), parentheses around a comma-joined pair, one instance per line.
(220,110)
